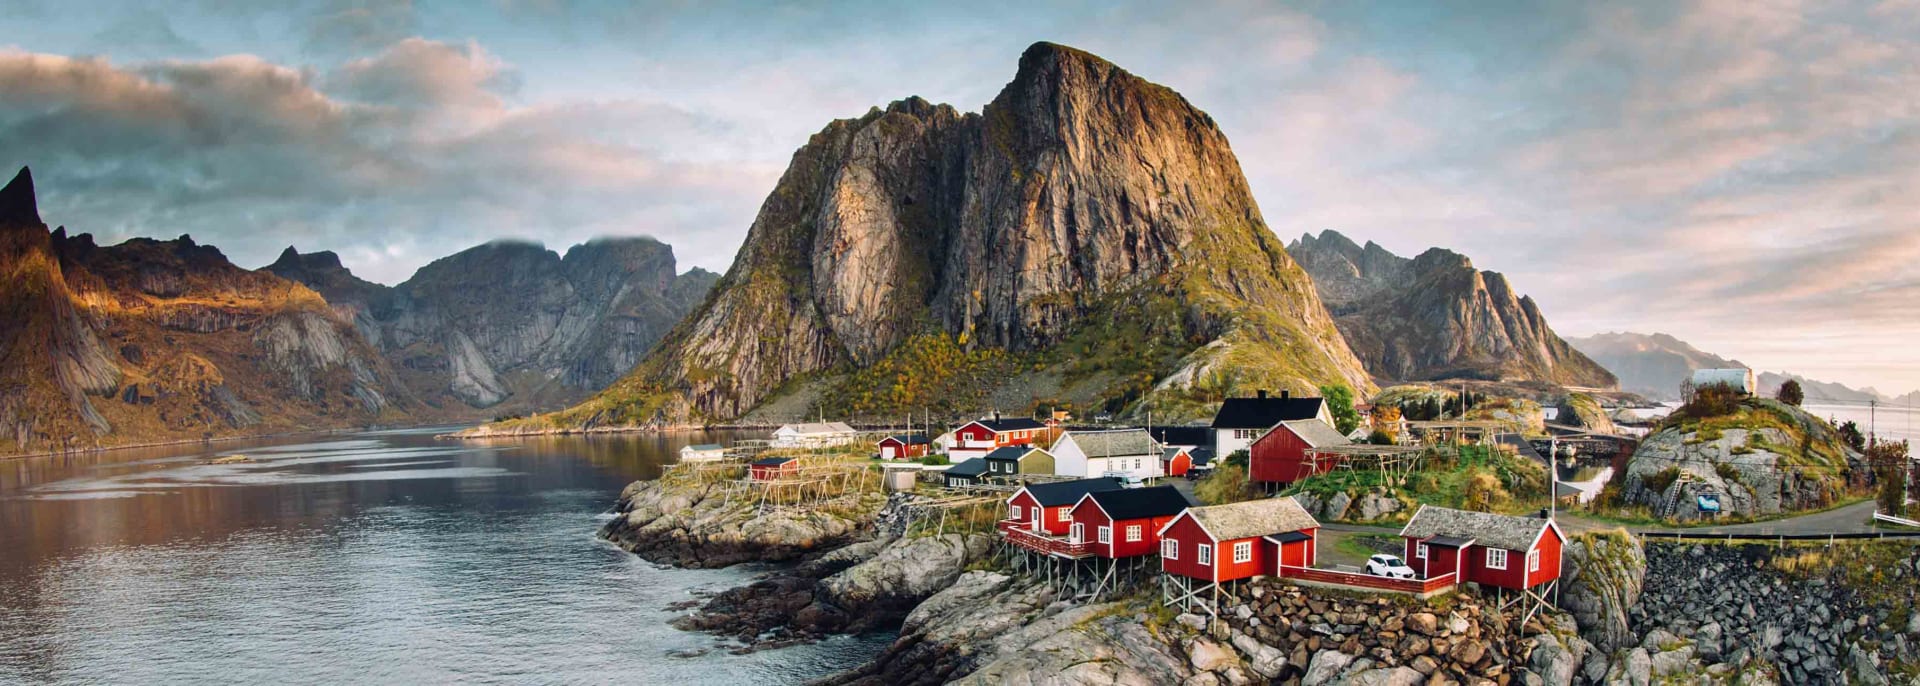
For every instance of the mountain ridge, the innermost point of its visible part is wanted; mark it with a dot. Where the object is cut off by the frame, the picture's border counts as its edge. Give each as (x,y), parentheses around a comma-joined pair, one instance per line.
(916,230)
(1436,317)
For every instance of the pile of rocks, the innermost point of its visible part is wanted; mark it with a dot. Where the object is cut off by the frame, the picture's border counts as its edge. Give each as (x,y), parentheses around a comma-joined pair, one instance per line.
(1718,610)
(1283,632)
(1367,506)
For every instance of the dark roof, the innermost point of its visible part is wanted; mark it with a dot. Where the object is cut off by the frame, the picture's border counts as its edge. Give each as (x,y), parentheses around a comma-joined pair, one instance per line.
(1068,492)
(1182,435)
(1449,541)
(972,467)
(1141,503)
(1014,424)
(1289,537)
(1264,413)
(1520,445)
(909,439)
(772,461)
(1011,453)
(1200,456)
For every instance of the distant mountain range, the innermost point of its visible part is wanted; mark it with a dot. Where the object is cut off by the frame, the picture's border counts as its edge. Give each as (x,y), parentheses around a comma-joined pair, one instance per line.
(1435,317)
(151,340)
(1653,365)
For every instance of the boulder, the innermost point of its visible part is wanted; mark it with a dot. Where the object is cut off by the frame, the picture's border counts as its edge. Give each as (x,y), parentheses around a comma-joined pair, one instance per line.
(1423,623)
(1601,583)
(1208,656)
(1325,665)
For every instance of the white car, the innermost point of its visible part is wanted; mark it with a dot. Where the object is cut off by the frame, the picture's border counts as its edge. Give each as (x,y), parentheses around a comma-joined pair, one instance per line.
(1389,566)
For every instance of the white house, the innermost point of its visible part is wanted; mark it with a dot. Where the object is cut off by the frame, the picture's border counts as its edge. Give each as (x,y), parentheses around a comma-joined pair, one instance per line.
(1098,453)
(1739,378)
(1241,420)
(703,452)
(813,435)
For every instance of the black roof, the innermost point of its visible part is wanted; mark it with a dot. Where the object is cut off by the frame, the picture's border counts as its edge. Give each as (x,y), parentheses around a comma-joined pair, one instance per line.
(1182,435)
(1010,453)
(1200,456)
(909,439)
(772,461)
(1264,413)
(1140,503)
(972,467)
(1014,424)
(1068,492)
(1289,537)
(1449,541)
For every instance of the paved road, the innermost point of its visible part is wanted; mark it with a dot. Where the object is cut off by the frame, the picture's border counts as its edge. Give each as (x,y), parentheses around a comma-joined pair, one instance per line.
(1855,518)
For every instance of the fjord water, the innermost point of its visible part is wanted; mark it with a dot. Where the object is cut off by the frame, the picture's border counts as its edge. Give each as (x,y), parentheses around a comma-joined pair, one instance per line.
(382,557)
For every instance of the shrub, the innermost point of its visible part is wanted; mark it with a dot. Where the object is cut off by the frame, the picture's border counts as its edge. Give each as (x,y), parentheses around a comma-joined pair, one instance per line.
(1727,470)
(1659,481)
(1484,492)
(1378,437)
(1712,400)
(935,460)
(1790,393)
(1239,458)
(1227,484)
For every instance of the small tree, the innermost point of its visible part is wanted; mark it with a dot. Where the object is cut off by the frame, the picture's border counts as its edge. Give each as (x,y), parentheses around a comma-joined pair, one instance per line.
(1227,484)
(1790,393)
(1889,462)
(1339,401)
(1850,432)
(1239,458)
(1712,400)
(1386,422)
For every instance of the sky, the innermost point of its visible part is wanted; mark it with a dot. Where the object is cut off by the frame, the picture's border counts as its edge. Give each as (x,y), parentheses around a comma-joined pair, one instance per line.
(1744,175)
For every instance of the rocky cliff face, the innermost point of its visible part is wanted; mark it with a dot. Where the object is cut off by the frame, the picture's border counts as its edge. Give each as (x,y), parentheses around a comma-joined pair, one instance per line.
(514,320)
(1766,458)
(1437,317)
(1081,193)
(1652,365)
(165,340)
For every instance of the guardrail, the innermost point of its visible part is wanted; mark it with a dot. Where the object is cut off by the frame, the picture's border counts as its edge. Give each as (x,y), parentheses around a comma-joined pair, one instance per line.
(1890,519)
(1042,543)
(1378,583)
(1703,536)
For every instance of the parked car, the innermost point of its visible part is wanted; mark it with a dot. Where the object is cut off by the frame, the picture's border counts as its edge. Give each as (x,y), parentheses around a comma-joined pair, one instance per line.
(1126,480)
(1389,566)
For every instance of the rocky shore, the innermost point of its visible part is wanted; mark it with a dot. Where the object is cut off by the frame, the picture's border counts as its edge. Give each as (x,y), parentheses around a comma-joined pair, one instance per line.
(696,525)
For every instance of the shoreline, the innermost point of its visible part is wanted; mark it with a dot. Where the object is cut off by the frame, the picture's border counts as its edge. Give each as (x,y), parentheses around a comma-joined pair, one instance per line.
(219,439)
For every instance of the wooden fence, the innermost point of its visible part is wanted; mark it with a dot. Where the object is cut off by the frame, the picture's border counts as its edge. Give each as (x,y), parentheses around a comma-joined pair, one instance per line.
(1043,543)
(1420,587)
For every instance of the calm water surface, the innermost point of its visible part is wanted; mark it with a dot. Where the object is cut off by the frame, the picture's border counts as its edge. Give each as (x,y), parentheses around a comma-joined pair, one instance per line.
(385,557)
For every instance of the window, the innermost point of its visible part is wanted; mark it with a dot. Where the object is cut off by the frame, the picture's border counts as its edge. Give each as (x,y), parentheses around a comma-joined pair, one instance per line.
(1078,532)
(1014,512)
(1170,549)
(1063,515)
(1496,558)
(1246,434)
(1133,533)
(1206,554)
(1533,560)
(1420,551)
(1243,552)
(1106,534)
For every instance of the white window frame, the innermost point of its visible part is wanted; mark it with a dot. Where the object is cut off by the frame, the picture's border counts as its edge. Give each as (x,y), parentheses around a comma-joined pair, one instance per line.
(1133,533)
(1533,561)
(1206,554)
(1077,533)
(1105,534)
(1420,551)
(1013,511)
(1169,549)
(1243,552)
(1065,516)
(1499,554)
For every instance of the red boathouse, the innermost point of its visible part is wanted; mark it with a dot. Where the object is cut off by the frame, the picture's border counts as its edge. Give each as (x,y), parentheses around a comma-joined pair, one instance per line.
(1504,551)
(1126,522)
(1206,546)
(1279,456)
(774,468)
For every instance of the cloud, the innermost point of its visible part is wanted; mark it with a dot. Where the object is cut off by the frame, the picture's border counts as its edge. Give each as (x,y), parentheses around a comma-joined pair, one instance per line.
(416,149)
(146,32)
(356,27)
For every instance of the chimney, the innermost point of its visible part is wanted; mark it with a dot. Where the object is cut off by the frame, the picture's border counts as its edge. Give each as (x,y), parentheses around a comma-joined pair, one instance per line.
(1262,393)
(1286,394)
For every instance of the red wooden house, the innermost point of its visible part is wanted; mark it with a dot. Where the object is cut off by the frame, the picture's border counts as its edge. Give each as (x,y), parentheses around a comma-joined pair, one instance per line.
(1046,508)
(1279,456)
(1504,551)
(773,468)
(1176,461)
(977,438)
(904,447)
(1238,541)
(1126,522)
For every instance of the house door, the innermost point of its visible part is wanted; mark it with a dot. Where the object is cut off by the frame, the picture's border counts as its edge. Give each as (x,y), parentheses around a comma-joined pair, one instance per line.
(886,453)
(1039,515)
(1078,533)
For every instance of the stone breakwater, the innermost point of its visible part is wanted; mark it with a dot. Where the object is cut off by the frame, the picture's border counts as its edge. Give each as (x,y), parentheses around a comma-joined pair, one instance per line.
(1842,615)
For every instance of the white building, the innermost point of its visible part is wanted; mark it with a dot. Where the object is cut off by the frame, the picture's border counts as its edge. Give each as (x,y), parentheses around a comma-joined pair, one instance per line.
(1739,378)
(813,435)
(1097,453)
(703,452)
(1242,420)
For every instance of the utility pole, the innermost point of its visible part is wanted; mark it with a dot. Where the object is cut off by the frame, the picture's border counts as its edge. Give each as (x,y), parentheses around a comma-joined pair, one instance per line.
(1553,475)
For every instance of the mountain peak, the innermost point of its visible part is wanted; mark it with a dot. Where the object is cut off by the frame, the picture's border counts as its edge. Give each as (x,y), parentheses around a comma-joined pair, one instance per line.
(17,204)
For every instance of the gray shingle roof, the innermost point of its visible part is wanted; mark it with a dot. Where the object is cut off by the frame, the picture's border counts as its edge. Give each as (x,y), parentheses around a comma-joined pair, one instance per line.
(1315,432)
(1491,530)
(1116,443)
(1253,518)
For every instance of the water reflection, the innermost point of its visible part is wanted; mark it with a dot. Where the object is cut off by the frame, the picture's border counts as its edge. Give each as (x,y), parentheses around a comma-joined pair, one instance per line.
(382,557)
